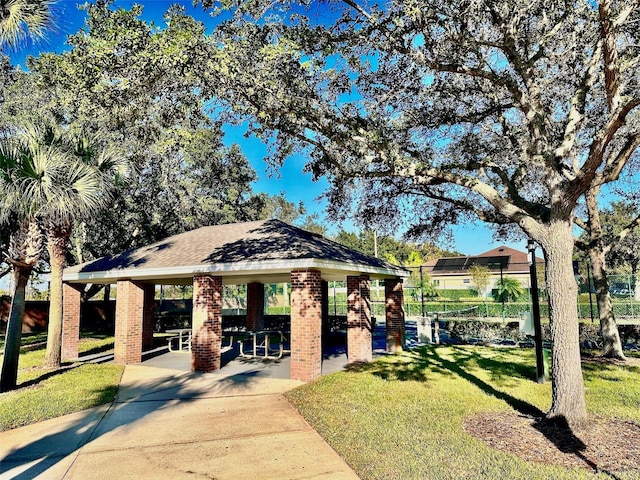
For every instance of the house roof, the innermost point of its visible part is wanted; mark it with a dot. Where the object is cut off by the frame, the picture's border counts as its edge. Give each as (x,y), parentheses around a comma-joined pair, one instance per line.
(264,251)
(502,257)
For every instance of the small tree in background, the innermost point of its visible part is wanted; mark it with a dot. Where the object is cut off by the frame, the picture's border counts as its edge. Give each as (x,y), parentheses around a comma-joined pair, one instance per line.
(508,290)
(480,279)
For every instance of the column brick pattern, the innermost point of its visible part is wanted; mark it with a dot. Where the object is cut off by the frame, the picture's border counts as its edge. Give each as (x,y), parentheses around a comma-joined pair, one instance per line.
(306,325)
(129,322)
(148,322)
(326,327)
(394,301)
(255,306)
(359,338)
(71,296)
(206,339)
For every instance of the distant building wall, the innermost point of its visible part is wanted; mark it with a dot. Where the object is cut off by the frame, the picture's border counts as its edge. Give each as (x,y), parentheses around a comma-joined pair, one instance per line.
(460,281)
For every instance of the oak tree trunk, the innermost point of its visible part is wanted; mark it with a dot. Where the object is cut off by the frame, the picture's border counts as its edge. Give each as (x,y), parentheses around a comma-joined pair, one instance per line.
(13,339)
(611,345)
(568,394)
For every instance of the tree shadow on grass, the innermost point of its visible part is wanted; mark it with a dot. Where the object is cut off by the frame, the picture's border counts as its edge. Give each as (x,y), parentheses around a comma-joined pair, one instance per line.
(48,374)
(409,366)
(416,365)
(457,367)
(596,366)
(500,366)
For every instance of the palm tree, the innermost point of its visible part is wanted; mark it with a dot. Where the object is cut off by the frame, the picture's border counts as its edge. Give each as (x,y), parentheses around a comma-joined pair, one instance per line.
(508,289)
(49,178)
(24,252)
(88,183)
(25,245)
(22,19)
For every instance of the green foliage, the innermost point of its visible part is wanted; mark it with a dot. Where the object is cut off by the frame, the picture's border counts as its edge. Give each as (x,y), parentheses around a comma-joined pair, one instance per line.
(483,309)
(480,276)
(404,253)
(508,289)
(485,331)
(278,207)
(141,88)
(455,293)
(618,217)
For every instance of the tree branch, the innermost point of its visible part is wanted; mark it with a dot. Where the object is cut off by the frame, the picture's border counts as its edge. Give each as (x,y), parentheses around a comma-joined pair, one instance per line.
(615,165)
(576,112)
(602,141)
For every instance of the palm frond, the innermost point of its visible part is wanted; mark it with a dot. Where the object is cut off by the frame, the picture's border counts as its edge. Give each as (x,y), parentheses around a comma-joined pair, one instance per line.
(23,19)
(55,175)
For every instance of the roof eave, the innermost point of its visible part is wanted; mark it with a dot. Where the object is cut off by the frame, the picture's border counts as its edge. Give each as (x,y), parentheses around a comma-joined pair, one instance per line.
(251,268)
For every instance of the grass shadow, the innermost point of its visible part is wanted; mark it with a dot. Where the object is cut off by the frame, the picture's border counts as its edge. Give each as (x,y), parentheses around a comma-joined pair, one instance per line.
(415,365)
(93,351)
(49,374)
(462,357)
(410,366)
(499,367)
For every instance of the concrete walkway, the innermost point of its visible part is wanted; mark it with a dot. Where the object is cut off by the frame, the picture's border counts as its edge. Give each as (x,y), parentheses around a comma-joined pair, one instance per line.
(177,425)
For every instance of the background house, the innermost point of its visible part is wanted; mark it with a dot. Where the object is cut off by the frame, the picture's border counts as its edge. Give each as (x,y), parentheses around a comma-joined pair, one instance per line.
(452,273)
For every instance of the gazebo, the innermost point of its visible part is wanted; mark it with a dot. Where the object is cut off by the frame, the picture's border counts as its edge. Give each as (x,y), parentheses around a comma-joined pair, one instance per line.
(251,253)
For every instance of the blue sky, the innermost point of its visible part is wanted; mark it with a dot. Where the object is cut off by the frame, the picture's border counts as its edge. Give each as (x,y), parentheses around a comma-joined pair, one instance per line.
(297,186)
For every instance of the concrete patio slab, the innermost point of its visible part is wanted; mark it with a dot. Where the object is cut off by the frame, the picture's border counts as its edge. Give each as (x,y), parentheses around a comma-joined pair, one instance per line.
(174,424)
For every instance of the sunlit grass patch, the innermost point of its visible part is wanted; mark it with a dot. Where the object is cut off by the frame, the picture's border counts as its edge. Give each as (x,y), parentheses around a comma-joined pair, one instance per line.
(46,393)
(67,392)
(401,417)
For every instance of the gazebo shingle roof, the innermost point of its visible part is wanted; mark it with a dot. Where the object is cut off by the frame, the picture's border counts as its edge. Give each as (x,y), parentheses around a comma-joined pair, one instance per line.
(251,246)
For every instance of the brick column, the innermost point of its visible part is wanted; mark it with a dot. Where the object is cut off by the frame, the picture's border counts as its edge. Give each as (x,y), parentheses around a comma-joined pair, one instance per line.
(129,322)
(71,295)
(148,322)
(207,323)
(306,325)
(255,306)
(359,341)
(326,326)
(394,301)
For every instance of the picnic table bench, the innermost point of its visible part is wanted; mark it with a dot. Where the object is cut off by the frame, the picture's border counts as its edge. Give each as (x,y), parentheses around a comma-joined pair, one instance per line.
(182,340)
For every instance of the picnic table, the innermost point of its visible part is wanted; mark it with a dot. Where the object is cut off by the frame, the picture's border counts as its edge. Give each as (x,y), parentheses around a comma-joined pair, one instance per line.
(182,340)
(261,343)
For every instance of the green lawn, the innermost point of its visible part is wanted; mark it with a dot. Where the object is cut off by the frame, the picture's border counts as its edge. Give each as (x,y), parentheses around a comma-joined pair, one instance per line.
(44,394)
(401,417)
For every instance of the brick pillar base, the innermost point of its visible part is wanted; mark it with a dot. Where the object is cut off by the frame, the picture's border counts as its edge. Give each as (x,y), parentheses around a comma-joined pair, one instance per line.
(148,323)
(255,307)
(395,314)
(306,325)
(129,322)
(71,296)
(207,323)
(359,337)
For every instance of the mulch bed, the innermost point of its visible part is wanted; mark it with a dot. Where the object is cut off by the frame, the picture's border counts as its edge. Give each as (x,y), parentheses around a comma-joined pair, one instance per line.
(605,445)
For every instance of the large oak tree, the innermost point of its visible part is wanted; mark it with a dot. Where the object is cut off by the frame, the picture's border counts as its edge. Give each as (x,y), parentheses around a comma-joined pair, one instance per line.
(425,111)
